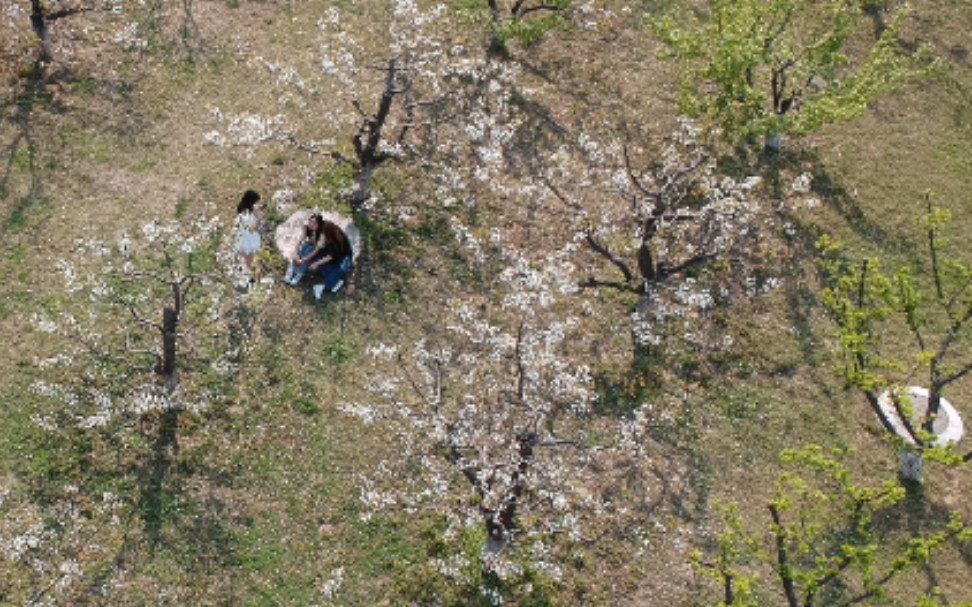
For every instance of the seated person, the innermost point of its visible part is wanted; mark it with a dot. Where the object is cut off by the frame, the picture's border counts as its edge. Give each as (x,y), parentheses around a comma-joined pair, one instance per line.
(308,249)
(334,261)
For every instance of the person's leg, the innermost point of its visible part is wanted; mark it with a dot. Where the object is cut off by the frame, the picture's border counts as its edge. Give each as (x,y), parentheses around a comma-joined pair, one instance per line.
(344,268)
(334,273)
(295,272)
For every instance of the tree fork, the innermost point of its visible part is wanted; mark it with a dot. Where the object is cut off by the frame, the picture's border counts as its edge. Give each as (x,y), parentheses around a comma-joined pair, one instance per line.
(40,21)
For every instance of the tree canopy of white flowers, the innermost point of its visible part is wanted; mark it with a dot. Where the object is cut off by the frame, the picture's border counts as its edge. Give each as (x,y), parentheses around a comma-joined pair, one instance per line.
(679,234)
(494,427)
(126,303)
(149,333)
(382,93)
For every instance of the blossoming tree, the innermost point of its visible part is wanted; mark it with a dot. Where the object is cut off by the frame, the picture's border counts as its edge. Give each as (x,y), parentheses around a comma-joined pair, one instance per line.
(379,101)
(523,20)
(148,337)
(685,240)
(495,430)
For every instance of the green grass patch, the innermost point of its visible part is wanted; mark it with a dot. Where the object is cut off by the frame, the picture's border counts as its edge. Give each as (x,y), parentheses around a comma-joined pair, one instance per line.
(23,158)
(741,408)
(339,351)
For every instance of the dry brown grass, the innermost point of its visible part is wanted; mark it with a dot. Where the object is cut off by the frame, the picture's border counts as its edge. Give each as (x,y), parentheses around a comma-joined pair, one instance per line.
(110,137)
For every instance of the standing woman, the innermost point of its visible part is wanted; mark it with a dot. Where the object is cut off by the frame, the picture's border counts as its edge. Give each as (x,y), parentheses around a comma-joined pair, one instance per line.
(249,215)
(334,261)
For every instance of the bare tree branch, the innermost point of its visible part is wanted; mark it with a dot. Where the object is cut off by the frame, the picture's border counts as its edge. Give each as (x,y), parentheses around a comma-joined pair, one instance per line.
(593,283)
(957,375)
(607,254)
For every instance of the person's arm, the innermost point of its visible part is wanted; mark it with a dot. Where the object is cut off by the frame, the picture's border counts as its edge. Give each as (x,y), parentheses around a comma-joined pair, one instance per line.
(257,218)
(296,258)
(300,260)
(321,261)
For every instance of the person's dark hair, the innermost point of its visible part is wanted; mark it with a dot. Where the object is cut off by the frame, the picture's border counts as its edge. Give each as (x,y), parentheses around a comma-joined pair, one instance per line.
(250,198)
(337,241)
(314,235)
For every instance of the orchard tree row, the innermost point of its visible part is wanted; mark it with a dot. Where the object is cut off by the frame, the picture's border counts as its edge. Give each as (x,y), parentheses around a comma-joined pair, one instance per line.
(498,425)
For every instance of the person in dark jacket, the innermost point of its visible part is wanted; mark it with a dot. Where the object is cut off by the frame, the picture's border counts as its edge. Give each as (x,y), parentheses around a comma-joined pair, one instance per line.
(334,260)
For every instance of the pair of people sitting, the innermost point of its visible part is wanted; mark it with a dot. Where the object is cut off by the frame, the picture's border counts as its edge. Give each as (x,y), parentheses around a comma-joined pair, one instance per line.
(324,250)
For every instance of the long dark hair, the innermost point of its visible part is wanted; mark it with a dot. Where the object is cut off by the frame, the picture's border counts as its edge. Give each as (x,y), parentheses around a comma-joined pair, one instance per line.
(314,235)
(337,241)
(250,198)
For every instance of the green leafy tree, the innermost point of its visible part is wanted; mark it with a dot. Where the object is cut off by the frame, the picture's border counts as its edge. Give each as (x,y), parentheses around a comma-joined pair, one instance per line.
(935,308)
(773,67)
(524,21)
(822,542)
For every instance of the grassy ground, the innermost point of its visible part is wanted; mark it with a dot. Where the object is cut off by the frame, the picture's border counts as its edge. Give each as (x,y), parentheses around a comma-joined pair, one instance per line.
(262,503)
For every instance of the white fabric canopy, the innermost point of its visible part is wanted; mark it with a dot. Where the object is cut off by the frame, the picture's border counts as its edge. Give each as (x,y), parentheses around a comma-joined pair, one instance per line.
(289,233)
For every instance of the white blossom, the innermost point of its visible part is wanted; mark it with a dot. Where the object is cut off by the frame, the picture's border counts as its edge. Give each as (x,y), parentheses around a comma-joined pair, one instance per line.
(802,183)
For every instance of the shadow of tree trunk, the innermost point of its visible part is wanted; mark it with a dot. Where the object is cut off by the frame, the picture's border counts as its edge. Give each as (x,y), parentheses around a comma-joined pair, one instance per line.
(153,475)
(26,104)
(166,445)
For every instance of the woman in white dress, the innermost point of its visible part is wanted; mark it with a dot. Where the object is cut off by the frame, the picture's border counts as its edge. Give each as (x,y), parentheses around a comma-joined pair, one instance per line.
(249,214)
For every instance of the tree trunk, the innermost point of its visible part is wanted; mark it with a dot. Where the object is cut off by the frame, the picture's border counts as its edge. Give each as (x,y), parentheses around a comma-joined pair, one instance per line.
(496,538)
(497,47)
(912,463)
(773,142)
(170,320)
(499,524)
(361,191)
(934,404)
(368,141)
(38,21)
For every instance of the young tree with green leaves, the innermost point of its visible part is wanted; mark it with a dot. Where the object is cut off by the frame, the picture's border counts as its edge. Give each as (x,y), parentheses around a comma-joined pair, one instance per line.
(765,68)
(934,306)
(823,544)
(525,21)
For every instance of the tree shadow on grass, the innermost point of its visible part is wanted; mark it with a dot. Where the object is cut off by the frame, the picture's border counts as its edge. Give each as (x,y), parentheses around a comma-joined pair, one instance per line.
(165,520)
(800,269)
(21,152)
(773,168)
(171,523)
(919,515)
(195,534)
(679,486)
(153,474)
(684,494)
